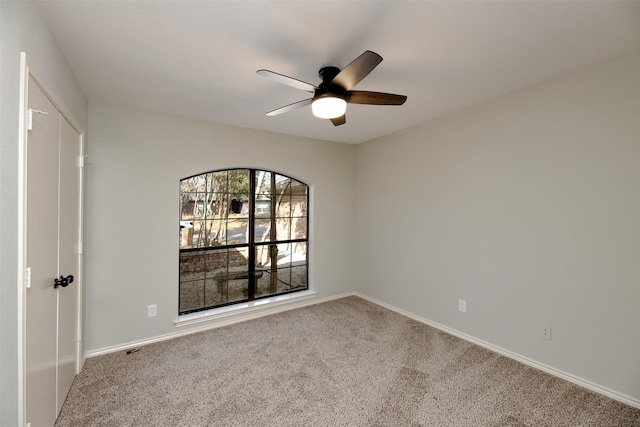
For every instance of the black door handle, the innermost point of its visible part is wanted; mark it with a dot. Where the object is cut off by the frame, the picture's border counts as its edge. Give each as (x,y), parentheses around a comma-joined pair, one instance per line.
(63,281)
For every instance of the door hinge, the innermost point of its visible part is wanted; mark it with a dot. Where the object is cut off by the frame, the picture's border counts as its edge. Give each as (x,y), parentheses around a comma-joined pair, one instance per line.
(79,248)
(27,278)
(30,112)
(79,335)
(80,161)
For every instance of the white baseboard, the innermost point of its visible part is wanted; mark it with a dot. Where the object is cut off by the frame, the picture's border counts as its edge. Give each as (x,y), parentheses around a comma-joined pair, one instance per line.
(529,362)
(219,320)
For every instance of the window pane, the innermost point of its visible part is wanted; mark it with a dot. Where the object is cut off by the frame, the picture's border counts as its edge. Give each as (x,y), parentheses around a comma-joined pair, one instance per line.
(265,280)
(196,277)
(186,235)
(282,181)
(299,228)
(292,266)
(298,205)
(299,253)
(263,256)
(299,277)
(212,233)
(238,190)
(218,202)
(232,283)
(263,184)
(283,207)
(198,225)
(283,228)
(262,230)
(188,185)
(191,281)
(187,202)
(191,295)
(237,230)
(268,275)
(218,182)
(263,207)
(215,262)
(298,188)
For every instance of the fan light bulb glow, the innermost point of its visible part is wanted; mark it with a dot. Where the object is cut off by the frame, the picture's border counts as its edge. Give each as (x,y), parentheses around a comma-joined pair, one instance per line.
(328,107)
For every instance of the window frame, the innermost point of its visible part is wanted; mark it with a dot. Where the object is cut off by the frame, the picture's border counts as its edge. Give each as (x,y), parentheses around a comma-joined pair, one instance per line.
(251,245)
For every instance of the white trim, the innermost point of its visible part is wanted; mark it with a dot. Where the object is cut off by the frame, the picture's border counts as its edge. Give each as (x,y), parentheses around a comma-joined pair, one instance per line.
(80,260)
(309,298)
(507,353)
(258,307)
(22,220)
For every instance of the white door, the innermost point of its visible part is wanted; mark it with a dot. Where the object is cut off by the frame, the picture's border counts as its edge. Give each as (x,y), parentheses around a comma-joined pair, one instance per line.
(68,259)
(52,234)
(42,259)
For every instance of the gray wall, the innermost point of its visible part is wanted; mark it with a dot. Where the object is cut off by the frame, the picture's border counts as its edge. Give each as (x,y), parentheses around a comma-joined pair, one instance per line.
(136,161)
(528,208)
(21,29)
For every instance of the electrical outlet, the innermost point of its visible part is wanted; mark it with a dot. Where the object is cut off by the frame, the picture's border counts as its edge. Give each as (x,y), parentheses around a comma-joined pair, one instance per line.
(152,310)
(545,332)
(462,305)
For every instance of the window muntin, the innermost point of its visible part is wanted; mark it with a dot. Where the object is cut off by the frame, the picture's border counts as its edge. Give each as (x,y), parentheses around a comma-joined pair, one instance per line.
(243,235)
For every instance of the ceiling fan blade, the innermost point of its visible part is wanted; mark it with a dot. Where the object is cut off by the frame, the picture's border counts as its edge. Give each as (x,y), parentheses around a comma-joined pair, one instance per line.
(374,98)
(339,120)
(286,80)
(357,70)
(290,107)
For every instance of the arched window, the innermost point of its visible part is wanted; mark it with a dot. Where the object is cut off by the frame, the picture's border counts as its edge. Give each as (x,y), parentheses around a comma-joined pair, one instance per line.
(243,236)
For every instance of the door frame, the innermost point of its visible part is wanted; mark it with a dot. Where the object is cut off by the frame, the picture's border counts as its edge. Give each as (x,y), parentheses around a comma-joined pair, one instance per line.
(25,72)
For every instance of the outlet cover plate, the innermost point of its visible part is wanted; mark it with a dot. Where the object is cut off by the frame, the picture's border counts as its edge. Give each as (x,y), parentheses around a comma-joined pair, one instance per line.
(462,305)
(545,332)
(152,310)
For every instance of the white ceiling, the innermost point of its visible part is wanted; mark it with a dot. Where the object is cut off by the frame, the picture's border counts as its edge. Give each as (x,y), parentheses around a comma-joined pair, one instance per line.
(197,59)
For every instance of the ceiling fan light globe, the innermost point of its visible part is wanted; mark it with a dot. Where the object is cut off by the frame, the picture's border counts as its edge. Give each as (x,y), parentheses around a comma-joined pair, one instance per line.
(328,107)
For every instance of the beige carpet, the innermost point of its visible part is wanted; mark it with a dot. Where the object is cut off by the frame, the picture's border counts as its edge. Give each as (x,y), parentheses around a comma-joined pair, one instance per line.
(346,362)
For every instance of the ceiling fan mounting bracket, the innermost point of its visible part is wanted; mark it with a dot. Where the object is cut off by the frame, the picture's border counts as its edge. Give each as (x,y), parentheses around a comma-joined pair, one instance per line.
(327,74)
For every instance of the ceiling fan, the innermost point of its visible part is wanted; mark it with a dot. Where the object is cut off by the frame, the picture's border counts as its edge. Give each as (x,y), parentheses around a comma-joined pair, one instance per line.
(330,97)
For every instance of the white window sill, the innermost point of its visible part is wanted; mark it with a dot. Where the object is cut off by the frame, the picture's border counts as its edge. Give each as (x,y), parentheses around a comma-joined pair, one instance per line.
(249,309)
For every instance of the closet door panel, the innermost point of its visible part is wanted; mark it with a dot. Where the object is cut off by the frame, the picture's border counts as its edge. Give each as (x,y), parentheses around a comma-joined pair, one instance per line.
(42,259)
(69,236)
